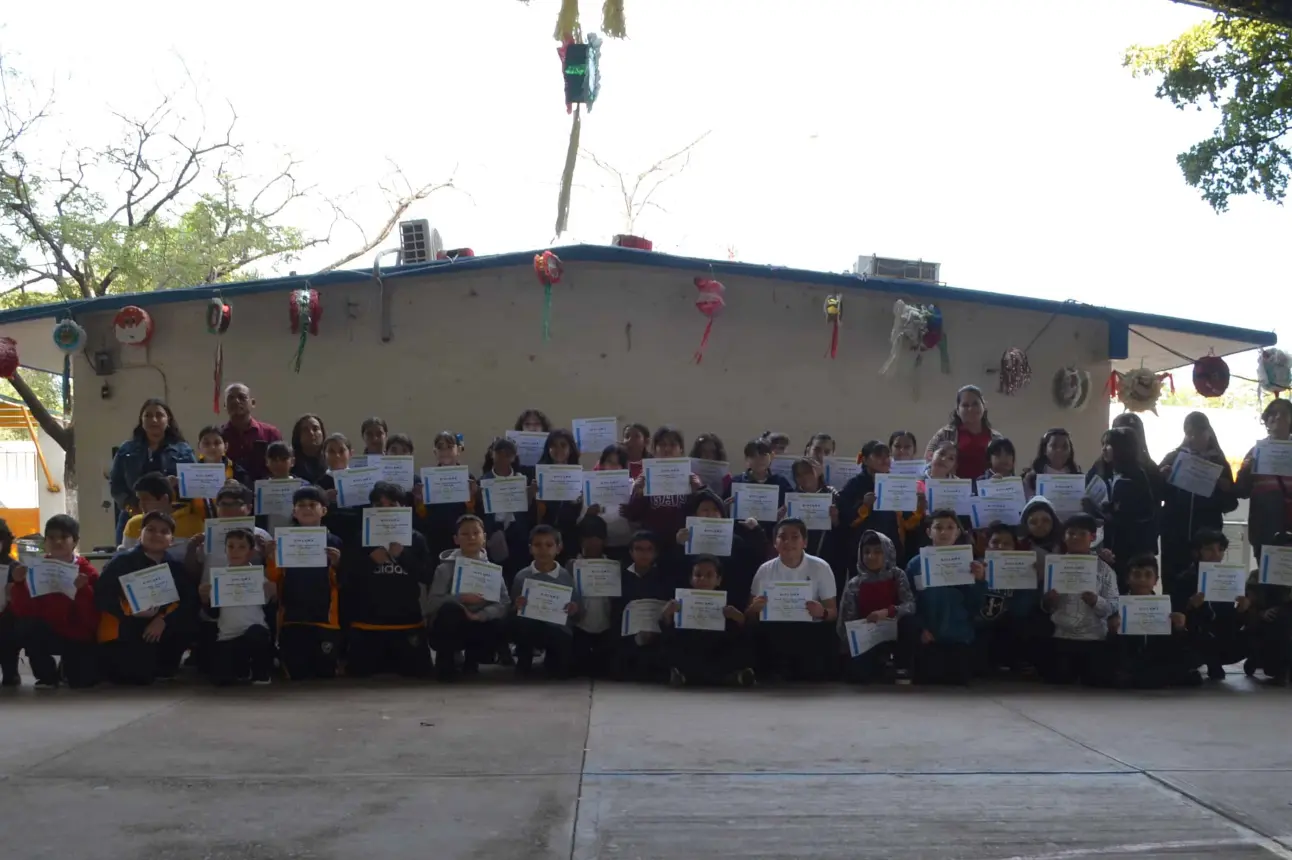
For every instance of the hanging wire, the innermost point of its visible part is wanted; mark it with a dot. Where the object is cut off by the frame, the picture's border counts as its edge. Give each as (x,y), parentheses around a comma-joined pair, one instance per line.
(1181,355)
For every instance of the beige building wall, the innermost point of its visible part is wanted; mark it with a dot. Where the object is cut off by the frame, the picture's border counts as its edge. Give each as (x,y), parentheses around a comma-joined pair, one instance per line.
(467,355)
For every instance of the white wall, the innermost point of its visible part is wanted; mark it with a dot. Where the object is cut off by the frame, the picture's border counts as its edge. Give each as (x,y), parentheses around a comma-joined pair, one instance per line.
(468,356)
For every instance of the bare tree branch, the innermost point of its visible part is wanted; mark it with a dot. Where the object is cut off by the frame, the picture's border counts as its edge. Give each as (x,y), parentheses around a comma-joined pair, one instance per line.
(51,425)
(632,199)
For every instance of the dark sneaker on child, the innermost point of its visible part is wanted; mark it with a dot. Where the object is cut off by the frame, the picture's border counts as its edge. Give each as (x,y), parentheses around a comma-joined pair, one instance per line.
(746,678)
(903,677)
(524,663)
(261,681)
(676,678)
(1216,673)
(46,685)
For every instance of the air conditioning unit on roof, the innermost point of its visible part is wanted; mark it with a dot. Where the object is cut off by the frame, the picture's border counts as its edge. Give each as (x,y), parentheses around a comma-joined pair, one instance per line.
(888,267)
(418,243)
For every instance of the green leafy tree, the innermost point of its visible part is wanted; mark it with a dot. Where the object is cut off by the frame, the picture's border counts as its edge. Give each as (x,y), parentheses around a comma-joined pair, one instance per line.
(1243,67)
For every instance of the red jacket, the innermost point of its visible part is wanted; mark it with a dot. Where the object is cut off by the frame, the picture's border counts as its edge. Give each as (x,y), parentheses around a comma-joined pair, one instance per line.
(72,619)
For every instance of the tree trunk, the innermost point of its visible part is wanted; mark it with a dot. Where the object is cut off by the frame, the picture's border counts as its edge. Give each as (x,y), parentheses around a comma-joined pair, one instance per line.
(63,436)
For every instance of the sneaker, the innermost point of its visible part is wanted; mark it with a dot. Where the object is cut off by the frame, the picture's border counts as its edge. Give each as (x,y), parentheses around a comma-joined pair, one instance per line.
(46,685)
(903,678)
(1216,673)
(746,678)
(676,678)
(263,681)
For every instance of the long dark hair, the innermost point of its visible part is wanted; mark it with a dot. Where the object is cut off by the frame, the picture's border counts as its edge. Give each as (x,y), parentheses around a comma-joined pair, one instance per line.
(1126,452)
(500,443)
(1131,421)
(572,460)
(719,449)
(955,413)
(533,413)
(297,452)
(1200,419)
(172,434)
(1042,459)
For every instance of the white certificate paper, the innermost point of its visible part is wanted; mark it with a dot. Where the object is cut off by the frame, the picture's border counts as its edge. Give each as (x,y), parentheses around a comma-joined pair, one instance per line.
(300,546)
(354,485)
(398,469)
(1222,583)
(508,495)
(594,435)
(943,566)
(908,468)
(607,488)
(641,616)
(546,601)
(949,493)
(237,586)
(896,492)
(274,496)
(446,485)
(812,508)
(558,482)
(985,511)
(598,577)
(864,635)
(1063,492)
(783,465)
(667,476)
(384,526)
(709,536)
(1276,565)
(217,530)
(1273,457)
(1194,474)
(700,610)
(1145,615)
(1072,574)
(840,470)
(200,480)
(50,576)
(712,473)
(760,501)
(529,445)
(472,576)
(1004,488)
(787,601)
(150,588)
(1011,570)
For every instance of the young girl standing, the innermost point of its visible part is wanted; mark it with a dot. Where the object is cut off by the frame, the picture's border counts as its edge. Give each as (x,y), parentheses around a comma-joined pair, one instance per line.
(828,544)
(708,446)
(374,432)
(636,440)
(1131,512)
(619,530)
(561,448)
(819,447)
(1183,513)
(1055,455)
(508,533)
(309,464)
(438,523)
(662,515)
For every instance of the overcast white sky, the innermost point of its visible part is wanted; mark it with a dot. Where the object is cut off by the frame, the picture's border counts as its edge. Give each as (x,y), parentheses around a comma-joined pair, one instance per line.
(1001,139)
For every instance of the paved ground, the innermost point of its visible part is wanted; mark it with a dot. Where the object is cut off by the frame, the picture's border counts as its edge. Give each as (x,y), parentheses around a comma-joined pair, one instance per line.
(497,769)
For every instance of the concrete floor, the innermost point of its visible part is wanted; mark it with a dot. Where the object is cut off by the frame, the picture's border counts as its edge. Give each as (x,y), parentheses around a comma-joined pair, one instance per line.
(500,769)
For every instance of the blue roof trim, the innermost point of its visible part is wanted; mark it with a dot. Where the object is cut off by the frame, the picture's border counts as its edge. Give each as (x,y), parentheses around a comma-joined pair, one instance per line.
(628,256)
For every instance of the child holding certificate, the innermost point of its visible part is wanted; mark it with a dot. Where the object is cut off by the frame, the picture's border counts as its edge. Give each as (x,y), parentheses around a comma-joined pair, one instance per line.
(438,523)
(1146,662)
(1000,460)
(1186,513)
(561,449)
(54,623)
(530,632)
(857,502)
(758,470)
(279,462)
(507,534)
(879,592)
(944,615)
(458,620)
(1217,627)
(1078,651)
(1055,455)
(749,548)
(594,641)
(243,649)
(619,530)
(1270,623)
(792,610)
(1131,513)
(139,645)
(155,493)
(387,632)
(698,654)
(1010,628)
(827,543)
(309,626)
(212,448)
(663,515)
(638,656)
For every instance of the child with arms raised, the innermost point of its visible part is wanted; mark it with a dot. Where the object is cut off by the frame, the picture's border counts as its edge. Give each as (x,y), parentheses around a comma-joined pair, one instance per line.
(706,656)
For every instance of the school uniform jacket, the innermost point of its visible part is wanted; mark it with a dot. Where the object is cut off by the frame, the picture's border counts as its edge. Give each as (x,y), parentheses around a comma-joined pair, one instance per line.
(76,618)
(387,595)
(116,621)
(307,595)
(901,528)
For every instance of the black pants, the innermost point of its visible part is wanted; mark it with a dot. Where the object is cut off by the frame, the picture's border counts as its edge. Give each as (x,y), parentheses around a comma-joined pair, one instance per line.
(1270,644)
(707,656)
(308,651)
(80,660)
(8,646)
(451,631)
(799,650)
(1153,662)
(943,663)
(208,633)
(556,642)
(593,654)
(250,655)
(135,662)
(874,664)
(1071,661)
(397,652)
(1011,642)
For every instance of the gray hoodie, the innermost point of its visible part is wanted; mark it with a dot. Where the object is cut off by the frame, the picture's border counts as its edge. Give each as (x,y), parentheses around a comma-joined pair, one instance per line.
(440,591)
(889,586)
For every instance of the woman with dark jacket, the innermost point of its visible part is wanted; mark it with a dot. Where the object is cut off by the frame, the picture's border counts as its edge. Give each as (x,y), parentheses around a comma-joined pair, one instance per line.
(1132,510)
(157,445)
(1184,514)
(1271,495)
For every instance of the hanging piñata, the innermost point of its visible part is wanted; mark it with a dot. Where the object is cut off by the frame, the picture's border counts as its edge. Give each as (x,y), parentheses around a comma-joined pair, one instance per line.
(1139,390)
(219,316)
(132,326)
(1071,388)
(69,338)
(918,329)
(1274,370)
(834,316)
(305,313)
(710,303)
(1015,371)
(547,266)
(8,357)
(581,71)
(1210,375)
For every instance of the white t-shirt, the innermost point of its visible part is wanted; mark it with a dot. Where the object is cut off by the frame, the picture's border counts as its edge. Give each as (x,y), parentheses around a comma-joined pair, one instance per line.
(812,569)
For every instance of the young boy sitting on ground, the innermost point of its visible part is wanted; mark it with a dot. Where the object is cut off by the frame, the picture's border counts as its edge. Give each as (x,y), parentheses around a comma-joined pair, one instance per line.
(880,591)
(243,649)
(1152,662)
(469,623)
(1217,630)
(800,650)
(531,634)
(706,656)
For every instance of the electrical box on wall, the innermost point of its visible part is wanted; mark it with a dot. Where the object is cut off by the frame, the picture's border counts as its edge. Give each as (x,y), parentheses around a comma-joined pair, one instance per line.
(103,363)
